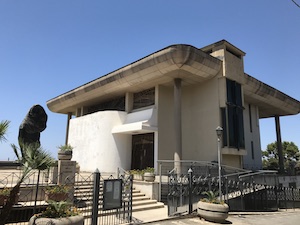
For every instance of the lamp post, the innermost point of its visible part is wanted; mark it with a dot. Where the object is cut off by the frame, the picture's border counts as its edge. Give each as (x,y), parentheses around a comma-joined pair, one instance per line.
(219,131)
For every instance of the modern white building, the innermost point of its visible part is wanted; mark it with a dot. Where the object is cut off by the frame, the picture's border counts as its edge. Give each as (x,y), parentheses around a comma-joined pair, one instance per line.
(167,105)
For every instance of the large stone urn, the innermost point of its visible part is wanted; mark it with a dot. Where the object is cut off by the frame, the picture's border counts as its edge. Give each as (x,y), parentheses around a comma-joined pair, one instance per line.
(72,220)
(213,212)
(149,177)
(65,152)
(64,155)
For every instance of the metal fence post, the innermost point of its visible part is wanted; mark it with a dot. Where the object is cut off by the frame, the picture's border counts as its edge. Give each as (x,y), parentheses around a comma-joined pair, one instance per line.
(160,182)
(130,200)
(190,171)
(95,197)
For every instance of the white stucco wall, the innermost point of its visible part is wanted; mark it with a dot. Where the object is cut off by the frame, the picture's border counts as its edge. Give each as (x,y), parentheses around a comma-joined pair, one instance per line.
(94,144)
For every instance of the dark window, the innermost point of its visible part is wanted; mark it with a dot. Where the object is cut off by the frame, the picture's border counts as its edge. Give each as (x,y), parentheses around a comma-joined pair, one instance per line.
(252,149)
(234,118)
(144,98)
(114,104)
(250,118)
(224,125)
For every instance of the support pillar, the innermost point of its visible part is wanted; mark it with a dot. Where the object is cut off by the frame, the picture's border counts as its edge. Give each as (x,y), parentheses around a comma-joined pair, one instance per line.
(279,145)
(177,123)
(67,129)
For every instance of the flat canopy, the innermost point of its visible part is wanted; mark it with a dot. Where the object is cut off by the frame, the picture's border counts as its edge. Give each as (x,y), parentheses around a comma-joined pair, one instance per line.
(191,64)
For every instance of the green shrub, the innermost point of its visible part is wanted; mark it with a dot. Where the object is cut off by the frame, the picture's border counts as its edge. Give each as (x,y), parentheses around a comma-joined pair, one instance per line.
(59,209)
(57,189)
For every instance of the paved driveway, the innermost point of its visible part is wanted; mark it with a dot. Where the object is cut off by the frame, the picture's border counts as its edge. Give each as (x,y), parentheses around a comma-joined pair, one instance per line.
(290,217)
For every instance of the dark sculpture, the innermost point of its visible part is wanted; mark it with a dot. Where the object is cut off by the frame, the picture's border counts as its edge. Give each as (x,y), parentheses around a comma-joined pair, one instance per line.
(31,127)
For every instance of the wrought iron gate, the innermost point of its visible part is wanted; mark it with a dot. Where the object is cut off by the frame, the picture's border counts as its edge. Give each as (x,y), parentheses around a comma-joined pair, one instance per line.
(184,191)
(104,213)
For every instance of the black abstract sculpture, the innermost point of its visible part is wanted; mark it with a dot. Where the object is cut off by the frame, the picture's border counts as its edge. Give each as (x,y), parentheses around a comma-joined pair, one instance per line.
(32,125)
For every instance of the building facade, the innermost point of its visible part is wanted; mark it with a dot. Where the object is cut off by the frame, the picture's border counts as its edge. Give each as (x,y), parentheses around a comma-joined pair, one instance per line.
(167,105)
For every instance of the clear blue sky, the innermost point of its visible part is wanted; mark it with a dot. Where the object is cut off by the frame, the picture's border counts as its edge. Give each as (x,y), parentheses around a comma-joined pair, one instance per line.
(50,47)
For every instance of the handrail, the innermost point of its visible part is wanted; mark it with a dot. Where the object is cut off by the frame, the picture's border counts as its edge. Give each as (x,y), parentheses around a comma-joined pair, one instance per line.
(120,169)
(234,174)
(206,163)
(259,172)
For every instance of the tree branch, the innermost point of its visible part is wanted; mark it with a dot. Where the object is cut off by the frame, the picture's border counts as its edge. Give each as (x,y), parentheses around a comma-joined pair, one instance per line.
(296,3)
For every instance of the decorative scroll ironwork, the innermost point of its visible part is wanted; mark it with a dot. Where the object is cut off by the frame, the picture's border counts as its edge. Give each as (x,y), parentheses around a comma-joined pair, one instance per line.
(247,192)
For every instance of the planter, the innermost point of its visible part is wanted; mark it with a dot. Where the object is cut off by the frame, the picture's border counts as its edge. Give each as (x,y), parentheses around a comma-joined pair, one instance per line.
(64,155)
(72,220)
(149,177)
(138,176)
(57,197)
(212,212)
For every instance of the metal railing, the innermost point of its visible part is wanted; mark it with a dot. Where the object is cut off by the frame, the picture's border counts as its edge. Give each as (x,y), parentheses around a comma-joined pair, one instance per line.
(88,196)
(241,189)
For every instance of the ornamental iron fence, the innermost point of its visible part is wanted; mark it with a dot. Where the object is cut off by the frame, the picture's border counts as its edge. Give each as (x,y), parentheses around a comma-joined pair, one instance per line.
(242,190)
(87,194)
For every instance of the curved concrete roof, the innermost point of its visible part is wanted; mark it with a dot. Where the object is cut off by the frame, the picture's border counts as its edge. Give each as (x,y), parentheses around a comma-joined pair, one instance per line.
(270,101)
(190,64)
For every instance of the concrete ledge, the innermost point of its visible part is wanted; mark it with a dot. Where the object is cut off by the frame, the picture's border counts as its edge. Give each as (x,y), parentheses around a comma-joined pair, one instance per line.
(150,189)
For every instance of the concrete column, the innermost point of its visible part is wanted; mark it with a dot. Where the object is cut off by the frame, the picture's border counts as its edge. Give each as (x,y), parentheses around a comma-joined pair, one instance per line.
(177,123)
(279,145)
(67,129)
(128,102)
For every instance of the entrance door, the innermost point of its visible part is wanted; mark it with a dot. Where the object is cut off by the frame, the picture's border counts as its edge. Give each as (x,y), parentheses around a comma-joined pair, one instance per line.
(142,151)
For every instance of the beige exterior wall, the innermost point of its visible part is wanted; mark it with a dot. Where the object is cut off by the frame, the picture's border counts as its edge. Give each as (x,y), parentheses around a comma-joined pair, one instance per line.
(232,160)
(253,159)
(200,117)
(233,67)
(165,119)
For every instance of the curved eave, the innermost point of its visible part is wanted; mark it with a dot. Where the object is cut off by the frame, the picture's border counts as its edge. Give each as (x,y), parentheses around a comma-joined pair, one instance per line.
(271,102)
(177,61)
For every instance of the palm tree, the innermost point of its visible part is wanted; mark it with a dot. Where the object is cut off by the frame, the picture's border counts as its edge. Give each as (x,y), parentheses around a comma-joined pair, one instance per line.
(4,124)
(33,157)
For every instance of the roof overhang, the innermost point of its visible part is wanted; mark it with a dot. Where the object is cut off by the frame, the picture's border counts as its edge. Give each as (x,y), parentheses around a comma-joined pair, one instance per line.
(190,64)
(271,102)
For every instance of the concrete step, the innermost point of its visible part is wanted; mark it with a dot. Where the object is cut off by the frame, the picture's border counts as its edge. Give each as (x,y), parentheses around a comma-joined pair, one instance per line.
(140,198)
(143,202)
(138,194)
(156,205)
(140,201)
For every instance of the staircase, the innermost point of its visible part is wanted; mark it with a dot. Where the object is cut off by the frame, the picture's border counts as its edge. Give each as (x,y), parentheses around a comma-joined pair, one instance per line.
(84,192)
(141,202)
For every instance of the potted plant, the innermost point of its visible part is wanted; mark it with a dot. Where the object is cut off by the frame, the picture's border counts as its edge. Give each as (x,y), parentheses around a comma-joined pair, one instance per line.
(58,213)
(56,193)
(137,174)
(149,174)
(211,208)
(65,152)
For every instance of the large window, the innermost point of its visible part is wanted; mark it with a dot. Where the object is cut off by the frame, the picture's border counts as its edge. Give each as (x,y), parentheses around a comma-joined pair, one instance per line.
(232,117)
(114,104)
(144,98)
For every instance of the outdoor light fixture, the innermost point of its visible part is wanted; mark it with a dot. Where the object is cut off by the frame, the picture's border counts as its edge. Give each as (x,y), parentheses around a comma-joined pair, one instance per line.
(219,131)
